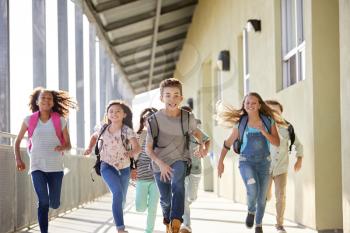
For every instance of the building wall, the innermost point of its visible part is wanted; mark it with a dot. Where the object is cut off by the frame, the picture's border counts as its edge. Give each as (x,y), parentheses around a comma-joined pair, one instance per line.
(344,26)
(219,26)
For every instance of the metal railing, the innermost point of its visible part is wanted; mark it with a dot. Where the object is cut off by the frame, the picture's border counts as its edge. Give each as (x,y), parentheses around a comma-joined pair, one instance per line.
(17,197)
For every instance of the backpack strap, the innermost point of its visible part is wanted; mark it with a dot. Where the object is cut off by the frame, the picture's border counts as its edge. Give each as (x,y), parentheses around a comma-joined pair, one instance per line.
(291,133)
(103,129)
(185,125)
(153,124)
(242,125)
(56,120)
(266,121)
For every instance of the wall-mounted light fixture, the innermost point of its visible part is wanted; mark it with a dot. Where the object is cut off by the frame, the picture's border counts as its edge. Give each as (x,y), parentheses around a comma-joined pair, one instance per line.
(223,61)
(254,24)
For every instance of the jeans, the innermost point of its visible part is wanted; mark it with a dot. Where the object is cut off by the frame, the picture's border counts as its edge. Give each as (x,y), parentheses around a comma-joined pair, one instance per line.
(255,174)
(147,197)
(47,186)
(117,182)
(280,194)
(172,193)
(191,191)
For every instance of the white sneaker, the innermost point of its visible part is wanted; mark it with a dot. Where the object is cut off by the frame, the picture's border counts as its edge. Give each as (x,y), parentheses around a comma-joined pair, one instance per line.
(185,229)
(280,229)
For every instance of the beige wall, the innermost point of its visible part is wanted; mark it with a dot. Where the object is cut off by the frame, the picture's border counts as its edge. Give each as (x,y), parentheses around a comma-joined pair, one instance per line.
(344,21)
(219,26)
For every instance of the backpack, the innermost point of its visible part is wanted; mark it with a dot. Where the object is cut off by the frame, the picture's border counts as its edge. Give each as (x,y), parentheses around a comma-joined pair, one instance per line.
(242,125)
(185,125)
(291,133)
(33,122)
(125,141)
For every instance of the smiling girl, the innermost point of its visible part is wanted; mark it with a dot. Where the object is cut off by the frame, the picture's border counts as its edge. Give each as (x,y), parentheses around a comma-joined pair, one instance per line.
(254,125)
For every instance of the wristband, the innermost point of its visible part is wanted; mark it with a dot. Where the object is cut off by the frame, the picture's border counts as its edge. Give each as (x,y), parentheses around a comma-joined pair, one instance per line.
(226,147)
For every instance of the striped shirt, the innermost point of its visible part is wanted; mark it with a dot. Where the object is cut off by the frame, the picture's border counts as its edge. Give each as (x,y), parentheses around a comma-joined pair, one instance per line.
(144,170)
(42,156)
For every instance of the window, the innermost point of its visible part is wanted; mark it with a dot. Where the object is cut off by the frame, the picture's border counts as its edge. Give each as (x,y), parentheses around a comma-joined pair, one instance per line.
(293,42)
(245,61)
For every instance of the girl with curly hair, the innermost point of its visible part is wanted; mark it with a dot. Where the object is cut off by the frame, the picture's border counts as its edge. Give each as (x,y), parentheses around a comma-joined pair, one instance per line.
(48,139)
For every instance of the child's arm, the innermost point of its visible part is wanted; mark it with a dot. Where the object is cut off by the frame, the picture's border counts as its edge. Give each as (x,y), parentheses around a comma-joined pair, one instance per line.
(199,137)
(273,138)
(227,144)
(299,150)
(67,145)
(165,170)
(92,143)
(19,162)
(136,149)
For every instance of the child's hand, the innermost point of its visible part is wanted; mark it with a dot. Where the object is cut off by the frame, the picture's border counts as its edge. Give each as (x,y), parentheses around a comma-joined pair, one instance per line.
(297,165)
(133,174)
(87,152)
(221,168)
(166,172)
(21,166)
(60,148)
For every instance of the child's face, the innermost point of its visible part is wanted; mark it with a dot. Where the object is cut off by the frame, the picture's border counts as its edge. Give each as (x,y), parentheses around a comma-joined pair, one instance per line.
(251,104)
(275,108)
(171,97)
(116,113)
(45,101)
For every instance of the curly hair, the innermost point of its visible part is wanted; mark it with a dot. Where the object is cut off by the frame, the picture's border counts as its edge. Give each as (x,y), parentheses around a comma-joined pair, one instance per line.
(228,116)
(170,82)
(143,117)
(126,108)
(62,102)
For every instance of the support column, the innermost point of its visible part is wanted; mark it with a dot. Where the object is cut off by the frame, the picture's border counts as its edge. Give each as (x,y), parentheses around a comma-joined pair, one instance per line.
(344,29)
(102,81)
(63,83)
(326,88)
(39,43)
(109,78)
(92,64)
(4,68)
(115,92)
(79,61)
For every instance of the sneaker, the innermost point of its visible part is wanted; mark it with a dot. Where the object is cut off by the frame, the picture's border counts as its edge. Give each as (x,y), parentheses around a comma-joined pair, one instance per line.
(175,226)
(280,229)
(249,221)
(258,229)
(185,229)
(122,231)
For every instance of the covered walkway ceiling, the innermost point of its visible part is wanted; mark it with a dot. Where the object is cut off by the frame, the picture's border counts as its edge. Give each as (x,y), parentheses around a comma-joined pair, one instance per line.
(145,36)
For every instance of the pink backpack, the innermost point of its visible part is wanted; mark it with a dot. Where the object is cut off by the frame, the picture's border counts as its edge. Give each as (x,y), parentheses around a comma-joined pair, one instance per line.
(33,121)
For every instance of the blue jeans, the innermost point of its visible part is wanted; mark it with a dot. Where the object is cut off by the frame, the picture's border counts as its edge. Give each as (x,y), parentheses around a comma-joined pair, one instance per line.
(147,197)
(255,174)
(172,193)
(117,182)
(47,186)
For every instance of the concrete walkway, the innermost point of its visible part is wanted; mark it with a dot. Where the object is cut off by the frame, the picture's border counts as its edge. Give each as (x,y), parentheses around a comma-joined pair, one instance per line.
(209,214)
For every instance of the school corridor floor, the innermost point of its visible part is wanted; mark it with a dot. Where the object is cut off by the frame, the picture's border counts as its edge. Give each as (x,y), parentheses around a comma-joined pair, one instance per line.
(210,214)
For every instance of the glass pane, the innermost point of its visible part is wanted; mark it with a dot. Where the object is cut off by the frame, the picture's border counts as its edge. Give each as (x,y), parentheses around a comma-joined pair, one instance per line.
(292,73)
(290,24)
(300,21)
(301,66)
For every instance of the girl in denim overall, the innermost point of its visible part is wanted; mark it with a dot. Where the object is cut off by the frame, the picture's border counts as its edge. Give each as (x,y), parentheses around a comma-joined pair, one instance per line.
(254,162)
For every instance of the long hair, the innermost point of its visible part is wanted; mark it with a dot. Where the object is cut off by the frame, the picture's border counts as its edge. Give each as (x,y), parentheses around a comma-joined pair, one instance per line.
(127,110)
(62,102)
(143,117)
(228,116)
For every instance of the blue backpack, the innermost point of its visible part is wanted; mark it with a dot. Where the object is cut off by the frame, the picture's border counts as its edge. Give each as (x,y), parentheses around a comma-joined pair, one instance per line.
(242,125)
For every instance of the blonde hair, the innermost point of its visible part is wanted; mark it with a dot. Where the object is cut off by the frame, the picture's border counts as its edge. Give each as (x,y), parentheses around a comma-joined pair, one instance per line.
(170,82)
(228,116)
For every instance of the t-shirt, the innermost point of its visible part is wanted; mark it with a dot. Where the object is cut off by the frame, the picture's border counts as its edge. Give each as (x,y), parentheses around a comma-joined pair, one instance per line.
(171,141)
(144,171)
(43,157)
(113,151)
